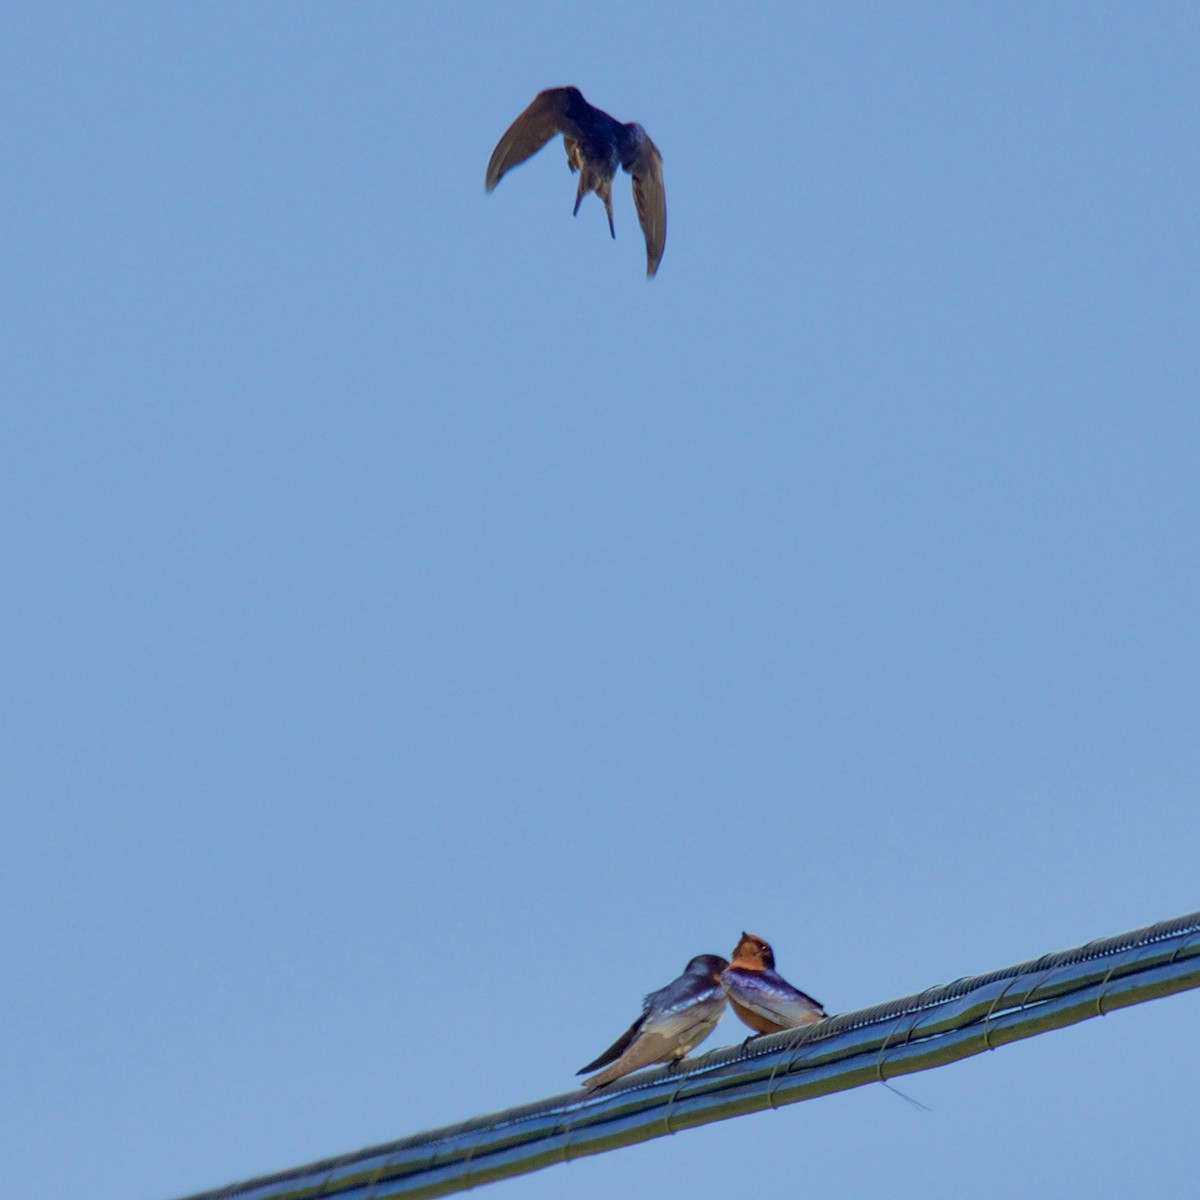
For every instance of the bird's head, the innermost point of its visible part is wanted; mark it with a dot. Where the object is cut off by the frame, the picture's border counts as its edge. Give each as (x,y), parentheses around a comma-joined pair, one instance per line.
(751,951)
(706,966)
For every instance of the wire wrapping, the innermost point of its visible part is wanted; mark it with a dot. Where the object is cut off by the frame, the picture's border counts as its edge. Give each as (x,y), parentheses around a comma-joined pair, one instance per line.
(914,1033)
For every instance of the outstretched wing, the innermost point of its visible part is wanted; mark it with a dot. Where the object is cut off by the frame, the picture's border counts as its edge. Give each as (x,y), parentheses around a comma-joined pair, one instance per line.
(553,111)
(645,165)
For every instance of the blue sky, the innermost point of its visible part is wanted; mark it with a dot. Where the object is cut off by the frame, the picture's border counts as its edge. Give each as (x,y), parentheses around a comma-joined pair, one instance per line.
(422,634)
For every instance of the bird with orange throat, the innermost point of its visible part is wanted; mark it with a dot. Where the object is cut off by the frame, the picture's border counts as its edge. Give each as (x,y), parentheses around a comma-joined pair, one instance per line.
(674,1020)
(596,144)
(760,996)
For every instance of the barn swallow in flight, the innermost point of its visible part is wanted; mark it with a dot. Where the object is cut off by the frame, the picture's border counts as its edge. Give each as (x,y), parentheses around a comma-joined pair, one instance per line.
(674,1019)
(596,145)
(760,995)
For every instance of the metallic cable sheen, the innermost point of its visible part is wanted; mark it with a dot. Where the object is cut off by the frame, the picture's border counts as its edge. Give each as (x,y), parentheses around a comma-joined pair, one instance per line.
(934,1027)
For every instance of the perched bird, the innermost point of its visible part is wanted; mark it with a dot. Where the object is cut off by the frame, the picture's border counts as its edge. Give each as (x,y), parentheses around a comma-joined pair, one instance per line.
(596,145)
(760,995)
(674,1019)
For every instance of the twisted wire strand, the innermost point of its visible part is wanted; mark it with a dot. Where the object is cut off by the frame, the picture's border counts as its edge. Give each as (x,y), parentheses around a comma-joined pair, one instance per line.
(927,1029)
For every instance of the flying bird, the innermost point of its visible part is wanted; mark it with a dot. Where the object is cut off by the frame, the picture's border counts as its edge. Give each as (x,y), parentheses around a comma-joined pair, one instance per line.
(674,1019)
(596,145)
(760,995)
